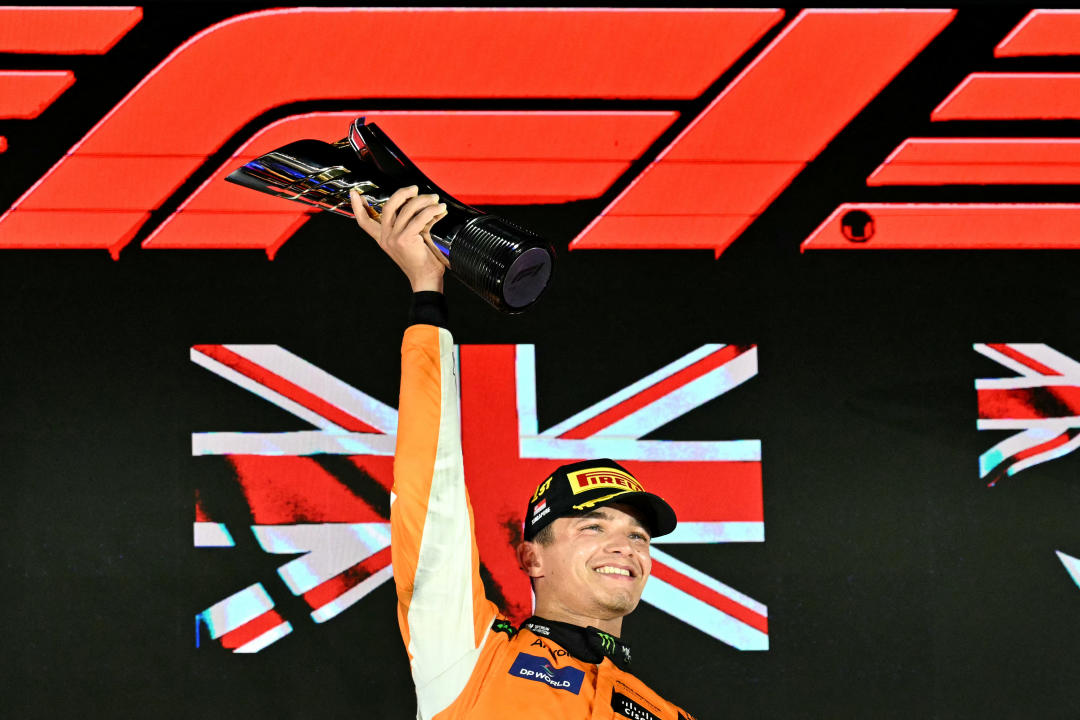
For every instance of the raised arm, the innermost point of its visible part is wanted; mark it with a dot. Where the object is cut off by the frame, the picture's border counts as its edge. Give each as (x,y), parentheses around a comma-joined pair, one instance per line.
(442,611)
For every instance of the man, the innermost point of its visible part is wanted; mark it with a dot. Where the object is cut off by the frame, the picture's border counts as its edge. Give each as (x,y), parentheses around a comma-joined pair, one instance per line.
(585,549)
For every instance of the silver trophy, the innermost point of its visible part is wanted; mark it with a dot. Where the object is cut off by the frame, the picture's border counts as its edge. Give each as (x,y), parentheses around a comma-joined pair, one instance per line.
(506,265)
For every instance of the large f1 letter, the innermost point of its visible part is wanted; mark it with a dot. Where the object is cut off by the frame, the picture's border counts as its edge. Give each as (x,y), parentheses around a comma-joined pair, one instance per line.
(231,73)
(751,142)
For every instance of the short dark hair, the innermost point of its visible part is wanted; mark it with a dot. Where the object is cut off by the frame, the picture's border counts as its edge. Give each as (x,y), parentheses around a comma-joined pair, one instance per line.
(545,535)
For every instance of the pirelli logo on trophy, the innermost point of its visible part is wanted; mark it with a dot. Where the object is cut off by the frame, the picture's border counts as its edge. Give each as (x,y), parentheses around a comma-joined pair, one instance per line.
(594,478)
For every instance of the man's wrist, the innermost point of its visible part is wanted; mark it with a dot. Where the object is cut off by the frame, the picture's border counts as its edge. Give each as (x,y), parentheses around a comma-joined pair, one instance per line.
(429,308)
(429,283)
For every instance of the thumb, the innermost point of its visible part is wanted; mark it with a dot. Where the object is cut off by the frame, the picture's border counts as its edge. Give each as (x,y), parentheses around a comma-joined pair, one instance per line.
(361,209)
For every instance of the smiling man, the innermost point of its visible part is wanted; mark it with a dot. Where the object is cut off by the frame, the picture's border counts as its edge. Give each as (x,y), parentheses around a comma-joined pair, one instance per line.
(586,548)
(586,541)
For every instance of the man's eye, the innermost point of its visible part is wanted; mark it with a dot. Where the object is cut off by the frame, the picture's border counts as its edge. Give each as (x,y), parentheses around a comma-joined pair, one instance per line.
(639,536)
(591,527)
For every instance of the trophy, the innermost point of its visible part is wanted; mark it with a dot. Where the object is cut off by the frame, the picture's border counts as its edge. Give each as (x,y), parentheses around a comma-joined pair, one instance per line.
(506,265)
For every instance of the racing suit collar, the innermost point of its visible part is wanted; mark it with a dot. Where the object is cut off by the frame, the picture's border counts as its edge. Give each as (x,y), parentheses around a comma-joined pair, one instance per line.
(584,643)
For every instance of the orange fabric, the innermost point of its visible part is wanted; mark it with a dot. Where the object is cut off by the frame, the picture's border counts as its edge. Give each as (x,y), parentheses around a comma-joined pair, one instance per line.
(496,693)
(414,458)
(500,676)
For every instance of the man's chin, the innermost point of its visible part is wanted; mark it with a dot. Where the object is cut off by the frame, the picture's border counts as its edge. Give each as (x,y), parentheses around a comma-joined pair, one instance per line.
(622,603)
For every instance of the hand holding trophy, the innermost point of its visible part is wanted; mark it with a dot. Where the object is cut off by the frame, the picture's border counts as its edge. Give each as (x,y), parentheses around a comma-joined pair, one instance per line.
(366,176)
(404,217)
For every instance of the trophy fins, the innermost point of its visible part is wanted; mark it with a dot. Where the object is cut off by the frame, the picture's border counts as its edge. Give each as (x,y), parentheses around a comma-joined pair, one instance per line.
(308,171)
(505,264)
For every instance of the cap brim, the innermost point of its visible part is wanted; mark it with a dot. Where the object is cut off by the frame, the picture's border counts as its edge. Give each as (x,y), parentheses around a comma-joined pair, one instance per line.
(659,516)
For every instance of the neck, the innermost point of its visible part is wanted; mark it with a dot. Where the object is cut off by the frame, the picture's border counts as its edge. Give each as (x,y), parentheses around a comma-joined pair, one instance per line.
(558,612)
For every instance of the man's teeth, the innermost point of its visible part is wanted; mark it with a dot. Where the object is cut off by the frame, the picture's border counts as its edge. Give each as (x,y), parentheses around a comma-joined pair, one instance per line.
(608,570)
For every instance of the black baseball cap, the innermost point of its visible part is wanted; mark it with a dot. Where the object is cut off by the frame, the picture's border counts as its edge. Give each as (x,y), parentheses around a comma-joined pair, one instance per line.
(581,486)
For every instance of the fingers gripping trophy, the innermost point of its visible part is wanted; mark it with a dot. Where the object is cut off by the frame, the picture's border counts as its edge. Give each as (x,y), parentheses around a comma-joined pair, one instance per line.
(407,216)
(506,265)
(588,525)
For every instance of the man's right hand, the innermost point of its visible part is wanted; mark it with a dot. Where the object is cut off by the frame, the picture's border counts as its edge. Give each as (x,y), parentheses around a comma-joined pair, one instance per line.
(403,232)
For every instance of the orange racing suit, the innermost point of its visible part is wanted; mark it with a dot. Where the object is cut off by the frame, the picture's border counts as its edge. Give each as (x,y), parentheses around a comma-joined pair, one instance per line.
(467,661)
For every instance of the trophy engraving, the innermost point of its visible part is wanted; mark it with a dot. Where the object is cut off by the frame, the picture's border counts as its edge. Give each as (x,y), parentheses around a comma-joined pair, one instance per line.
(501,262)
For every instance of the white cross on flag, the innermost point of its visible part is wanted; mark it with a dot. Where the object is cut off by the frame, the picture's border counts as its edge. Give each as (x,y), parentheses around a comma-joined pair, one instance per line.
(299,506)
(1042,402)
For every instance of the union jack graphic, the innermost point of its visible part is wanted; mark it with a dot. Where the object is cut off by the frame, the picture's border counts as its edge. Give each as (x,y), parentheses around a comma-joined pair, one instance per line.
(1072,566)
(324,493)
(1043,402)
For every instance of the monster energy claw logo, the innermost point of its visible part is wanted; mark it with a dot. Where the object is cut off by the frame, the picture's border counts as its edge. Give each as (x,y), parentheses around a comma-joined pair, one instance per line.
(607,642)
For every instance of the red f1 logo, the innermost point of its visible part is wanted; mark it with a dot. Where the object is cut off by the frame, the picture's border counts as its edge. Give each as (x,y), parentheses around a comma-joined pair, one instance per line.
(701,191)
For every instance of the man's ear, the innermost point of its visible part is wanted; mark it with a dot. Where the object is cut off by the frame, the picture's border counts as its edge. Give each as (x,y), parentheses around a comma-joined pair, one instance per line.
(530,559)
